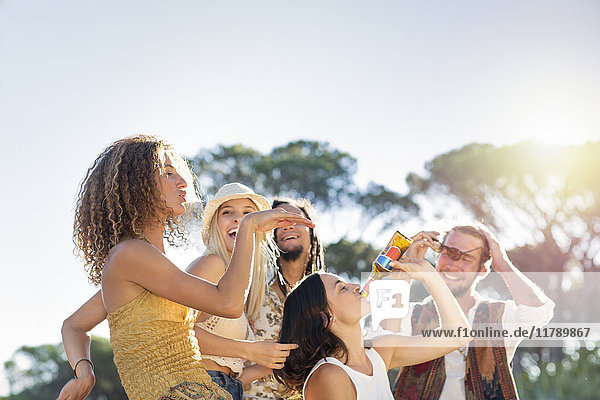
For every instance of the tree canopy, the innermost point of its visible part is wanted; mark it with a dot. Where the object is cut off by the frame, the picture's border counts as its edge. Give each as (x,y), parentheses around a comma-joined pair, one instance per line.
(40,372)
(546,199)
(545,196)
(311,169)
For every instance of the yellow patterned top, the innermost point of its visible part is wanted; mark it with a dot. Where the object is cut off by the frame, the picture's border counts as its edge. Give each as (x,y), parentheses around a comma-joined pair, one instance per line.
(155,348)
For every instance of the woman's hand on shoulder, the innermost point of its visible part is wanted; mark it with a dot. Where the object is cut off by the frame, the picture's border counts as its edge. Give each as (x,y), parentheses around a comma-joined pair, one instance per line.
(275,218)
(329,382)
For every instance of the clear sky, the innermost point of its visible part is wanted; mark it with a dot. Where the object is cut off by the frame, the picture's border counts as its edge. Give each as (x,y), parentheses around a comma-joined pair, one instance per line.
(394,83)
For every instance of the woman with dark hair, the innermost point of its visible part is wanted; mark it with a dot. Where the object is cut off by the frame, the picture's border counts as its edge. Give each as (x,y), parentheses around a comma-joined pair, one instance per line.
(300,254)
(129,201)
(322,316)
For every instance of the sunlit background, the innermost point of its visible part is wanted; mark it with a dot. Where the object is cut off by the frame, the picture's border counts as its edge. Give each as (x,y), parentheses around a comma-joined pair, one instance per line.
(393,83)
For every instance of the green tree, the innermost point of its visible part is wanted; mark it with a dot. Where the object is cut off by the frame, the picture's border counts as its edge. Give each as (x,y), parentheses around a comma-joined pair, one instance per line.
(575,377)
(319,172)
(543,196)
(39,372)
(314,170)
(546,195)
(546,199)
(349,257)
(302,168)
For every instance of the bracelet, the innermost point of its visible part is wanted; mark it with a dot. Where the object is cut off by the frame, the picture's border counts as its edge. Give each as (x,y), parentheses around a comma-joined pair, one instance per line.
(77,363)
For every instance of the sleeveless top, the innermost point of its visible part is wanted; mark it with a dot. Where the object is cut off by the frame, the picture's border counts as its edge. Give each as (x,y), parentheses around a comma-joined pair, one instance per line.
(155,348)
(374,387)
(230,328)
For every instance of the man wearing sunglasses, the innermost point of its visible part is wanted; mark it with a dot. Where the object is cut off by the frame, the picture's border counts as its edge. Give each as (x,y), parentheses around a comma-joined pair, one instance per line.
(475,372)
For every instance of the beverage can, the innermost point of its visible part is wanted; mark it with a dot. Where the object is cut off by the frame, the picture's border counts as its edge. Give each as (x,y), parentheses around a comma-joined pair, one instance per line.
(392,252)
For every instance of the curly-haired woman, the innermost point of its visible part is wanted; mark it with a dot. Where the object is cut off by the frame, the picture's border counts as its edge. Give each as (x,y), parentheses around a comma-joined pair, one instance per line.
(128,202)
(322,316)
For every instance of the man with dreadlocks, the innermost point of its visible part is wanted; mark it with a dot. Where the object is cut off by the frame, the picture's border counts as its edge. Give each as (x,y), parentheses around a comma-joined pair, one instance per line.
(301,254)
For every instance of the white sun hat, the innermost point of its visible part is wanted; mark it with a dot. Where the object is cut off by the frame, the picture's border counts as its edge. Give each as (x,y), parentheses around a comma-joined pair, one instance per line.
(230,191)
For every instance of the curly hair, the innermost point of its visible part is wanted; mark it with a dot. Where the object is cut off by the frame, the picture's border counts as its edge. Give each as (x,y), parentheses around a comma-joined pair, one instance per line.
(119,197)
(306,321)
(316,258)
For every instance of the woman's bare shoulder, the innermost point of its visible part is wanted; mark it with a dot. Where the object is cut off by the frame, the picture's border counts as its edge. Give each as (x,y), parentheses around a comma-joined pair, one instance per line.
(128,251)
(330,381)
(208,266)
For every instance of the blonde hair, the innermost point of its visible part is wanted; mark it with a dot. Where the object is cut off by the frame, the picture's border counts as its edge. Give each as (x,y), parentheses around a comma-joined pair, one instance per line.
(263,255)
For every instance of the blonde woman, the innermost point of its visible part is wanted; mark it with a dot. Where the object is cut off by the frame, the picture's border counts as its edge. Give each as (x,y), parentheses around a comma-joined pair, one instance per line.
(224,359)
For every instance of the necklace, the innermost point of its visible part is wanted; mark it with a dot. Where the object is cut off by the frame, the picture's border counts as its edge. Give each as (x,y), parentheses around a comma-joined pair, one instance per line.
(145,239)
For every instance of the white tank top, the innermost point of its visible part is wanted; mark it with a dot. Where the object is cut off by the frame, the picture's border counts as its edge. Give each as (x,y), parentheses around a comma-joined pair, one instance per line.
(373,387)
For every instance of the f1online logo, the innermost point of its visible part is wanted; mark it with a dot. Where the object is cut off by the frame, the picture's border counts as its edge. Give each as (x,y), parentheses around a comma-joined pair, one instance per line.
(388,299)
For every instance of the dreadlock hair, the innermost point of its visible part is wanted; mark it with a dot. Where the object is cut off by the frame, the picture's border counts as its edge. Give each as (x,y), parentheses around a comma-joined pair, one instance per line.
(306,322)
(316,258)
(119,197)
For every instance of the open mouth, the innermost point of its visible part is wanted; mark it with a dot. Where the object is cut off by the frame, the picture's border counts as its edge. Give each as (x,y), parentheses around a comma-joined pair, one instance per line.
(290,237)
(232,233)
(451,277)
(182,196)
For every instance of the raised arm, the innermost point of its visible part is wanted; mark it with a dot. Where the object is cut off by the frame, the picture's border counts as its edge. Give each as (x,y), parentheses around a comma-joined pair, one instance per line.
(420,243)
(137,262)
(76,341)
(398,350)
(522,289)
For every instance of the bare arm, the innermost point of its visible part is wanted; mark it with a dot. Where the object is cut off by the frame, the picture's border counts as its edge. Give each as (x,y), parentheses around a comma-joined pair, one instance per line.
(330,382)
(136,262)
(522,289)
(252,373)
(421,242)
(399,350)
(76,341)
(266,353)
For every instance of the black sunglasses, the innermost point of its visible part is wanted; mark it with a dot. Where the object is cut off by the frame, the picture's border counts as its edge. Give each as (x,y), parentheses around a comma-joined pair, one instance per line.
(455,254)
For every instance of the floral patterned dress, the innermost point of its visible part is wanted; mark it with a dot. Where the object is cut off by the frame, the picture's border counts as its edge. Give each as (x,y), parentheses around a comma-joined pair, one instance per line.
(266,327)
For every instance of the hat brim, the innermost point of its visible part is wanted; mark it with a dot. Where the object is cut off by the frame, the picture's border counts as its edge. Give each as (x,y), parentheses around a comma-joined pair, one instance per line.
(213,205)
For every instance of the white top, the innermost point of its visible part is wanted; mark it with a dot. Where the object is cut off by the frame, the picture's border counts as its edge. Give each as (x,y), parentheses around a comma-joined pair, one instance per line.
(231,328)
(514,316)
(368,387)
